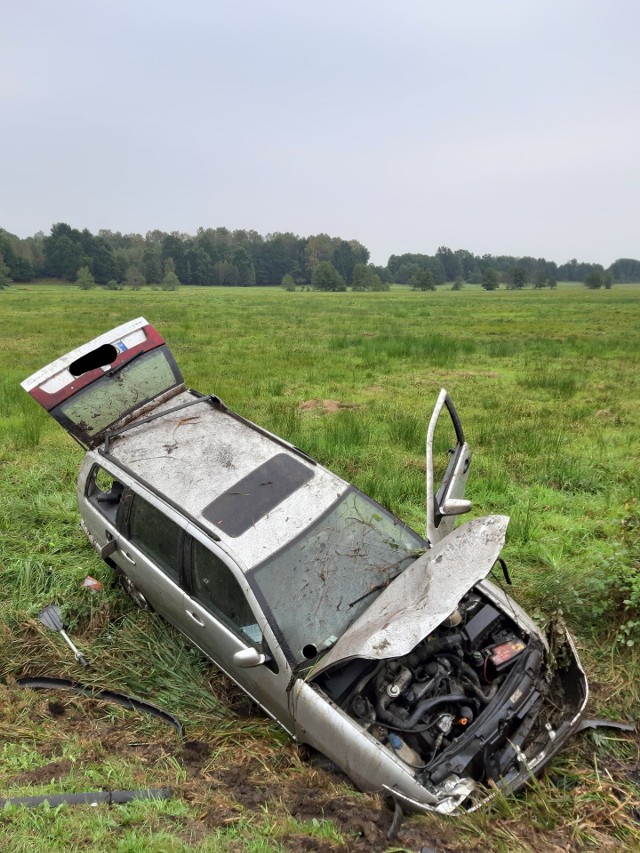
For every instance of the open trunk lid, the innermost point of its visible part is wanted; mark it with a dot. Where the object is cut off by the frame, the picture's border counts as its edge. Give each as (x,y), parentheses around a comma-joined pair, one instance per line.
(98,385)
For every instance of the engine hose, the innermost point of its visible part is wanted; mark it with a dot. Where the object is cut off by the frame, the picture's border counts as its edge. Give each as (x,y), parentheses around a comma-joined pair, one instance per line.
(442,644)
(472,679)
(480,695)
(470,672)
(422,708)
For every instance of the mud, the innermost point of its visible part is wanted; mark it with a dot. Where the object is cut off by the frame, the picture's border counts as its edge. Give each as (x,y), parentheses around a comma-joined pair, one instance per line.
(247,776)
(43,775)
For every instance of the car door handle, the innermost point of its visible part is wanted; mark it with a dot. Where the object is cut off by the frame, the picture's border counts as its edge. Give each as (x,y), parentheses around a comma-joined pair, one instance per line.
(195,618)
(128,557)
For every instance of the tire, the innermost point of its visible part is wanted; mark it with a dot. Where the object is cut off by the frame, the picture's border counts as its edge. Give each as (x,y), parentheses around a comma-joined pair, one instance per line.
(133,592)
(319,760)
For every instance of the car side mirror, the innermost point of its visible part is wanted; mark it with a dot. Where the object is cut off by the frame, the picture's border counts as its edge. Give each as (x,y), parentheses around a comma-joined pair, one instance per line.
(455,506)
(246,658)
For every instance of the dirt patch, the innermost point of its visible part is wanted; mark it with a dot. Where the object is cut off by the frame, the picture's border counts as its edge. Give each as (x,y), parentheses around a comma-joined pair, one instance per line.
(43,775)
(329,406)
(366,822)
(228,781)
(194,753)
(56,709)
(608,415)
(363,820)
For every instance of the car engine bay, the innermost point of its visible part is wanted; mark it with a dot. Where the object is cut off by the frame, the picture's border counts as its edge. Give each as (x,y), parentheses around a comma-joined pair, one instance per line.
(466,701)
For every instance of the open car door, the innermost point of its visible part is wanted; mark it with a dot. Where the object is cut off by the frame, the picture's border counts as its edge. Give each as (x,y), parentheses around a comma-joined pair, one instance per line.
(107,381)
(448,461)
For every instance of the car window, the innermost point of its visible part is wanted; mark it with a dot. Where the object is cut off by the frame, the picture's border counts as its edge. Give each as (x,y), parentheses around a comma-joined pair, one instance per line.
(216,588)
(100,404)
(104,492)
(155,535)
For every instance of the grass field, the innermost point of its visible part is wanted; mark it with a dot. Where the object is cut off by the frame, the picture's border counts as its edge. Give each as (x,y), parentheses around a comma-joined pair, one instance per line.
(548,388)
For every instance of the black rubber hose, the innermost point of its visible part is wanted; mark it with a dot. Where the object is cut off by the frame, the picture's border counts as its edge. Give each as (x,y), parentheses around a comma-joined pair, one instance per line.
(420,710)
(441,644)
(90,798)
(480,695)
(50,683)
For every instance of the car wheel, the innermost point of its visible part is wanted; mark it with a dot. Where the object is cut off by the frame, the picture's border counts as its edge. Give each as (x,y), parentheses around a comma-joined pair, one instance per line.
(319,760)
(133,592)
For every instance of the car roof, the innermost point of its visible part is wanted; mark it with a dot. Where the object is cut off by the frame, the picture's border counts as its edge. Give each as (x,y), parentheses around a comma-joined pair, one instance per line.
(246,487)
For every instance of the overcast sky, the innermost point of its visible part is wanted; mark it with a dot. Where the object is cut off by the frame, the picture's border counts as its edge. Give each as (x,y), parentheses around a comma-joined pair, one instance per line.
(497,126)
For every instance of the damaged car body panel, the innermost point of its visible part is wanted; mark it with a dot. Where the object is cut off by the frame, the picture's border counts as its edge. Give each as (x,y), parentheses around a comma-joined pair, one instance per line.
(390,653)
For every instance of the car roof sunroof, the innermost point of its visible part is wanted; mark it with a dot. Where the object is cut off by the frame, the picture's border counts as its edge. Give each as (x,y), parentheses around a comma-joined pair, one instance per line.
(255,495)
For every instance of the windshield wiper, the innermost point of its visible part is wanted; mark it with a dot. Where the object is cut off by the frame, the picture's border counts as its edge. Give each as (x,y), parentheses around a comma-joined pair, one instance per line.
(374,589)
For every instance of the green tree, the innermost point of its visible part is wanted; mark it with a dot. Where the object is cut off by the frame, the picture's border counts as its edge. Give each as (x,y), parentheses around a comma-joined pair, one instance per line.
(326,277)
(490,279)
(84,279)
(540,280)
(174,246)
(241,260)
(17,255)
(458,284)
(152,265)
(377,282)
(5,278)
(134,278)
(552,283)
(318,248)
(112,284)
(364,277)
(288,282)
(346,255)
(625,269)
(607,280)
(170,281)
(103,261)
(475,275)
(593,280)
(518,278)
(423,280)
(451,263)
(63,251)
(225,274)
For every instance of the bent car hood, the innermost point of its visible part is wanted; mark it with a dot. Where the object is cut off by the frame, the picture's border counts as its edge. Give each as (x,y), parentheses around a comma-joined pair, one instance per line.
(424,595)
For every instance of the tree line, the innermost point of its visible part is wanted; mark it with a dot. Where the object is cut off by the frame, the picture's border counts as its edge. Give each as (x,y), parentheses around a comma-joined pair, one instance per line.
(219,256)
(213,256)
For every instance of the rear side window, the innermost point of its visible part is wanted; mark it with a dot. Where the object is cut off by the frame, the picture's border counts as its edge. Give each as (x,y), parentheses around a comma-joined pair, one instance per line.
(155,535)
(216,588)
(104,492)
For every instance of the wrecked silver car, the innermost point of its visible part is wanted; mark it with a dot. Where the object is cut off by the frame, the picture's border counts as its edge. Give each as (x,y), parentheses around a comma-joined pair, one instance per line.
(389,653)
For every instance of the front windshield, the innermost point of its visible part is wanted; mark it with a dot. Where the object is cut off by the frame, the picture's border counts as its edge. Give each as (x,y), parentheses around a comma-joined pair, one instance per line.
(316,586)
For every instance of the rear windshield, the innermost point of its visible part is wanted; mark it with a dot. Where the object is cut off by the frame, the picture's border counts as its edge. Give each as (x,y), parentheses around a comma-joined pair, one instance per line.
(114,395)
